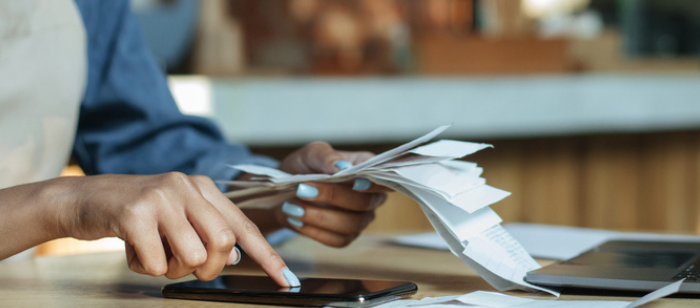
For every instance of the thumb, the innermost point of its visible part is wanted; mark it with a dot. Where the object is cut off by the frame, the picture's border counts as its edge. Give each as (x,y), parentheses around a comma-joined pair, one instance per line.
(317,157)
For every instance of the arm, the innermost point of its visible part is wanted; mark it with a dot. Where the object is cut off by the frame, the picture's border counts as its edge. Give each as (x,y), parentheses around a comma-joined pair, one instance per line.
(28,218)
(172,224)
(129,122)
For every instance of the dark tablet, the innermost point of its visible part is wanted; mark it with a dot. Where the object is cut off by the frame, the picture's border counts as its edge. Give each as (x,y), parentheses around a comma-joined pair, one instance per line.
(313,291)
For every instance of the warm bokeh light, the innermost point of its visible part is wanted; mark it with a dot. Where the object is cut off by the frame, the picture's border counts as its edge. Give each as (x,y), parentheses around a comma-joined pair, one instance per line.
(192,94)
(543,8)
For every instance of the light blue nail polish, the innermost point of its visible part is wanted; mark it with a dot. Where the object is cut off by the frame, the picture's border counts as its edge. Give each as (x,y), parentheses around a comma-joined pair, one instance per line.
(292,209)
(294,222)
(361,184)
(240,256)
(342,164)
(292,279)
(307,191)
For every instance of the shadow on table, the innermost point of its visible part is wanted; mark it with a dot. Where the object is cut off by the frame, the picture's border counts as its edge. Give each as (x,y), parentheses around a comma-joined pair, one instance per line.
(136,291)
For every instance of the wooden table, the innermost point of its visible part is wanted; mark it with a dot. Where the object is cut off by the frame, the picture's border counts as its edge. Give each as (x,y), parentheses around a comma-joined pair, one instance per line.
(103,279)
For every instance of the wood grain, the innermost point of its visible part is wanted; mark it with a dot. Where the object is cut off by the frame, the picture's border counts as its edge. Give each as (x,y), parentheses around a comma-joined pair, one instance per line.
(104,280)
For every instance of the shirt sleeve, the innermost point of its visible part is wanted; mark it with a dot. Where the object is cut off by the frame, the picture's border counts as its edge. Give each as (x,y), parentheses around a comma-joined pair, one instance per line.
(129,122)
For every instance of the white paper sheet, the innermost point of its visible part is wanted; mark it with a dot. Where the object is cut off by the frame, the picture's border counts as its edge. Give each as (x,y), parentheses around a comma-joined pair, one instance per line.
(500,254)
(509,277)
(446,181)
(461,223)
(380,158)
(479,197)
(561,242)
(262,170)
(429,240)
(663,292)
(493,299)
(485,299)
(549,241)
(450,149)
(406,160)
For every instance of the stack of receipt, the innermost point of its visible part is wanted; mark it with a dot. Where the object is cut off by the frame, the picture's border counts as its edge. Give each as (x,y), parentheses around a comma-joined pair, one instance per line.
(451,193)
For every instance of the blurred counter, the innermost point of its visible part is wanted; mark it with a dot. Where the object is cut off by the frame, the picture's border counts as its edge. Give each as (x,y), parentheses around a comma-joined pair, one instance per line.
(291,111)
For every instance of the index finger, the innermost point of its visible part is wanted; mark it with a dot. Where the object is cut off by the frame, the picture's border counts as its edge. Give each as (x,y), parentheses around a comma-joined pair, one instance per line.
(250,239)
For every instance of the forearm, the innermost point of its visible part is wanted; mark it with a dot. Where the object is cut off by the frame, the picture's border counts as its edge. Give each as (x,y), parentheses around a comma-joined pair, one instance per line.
(30,216)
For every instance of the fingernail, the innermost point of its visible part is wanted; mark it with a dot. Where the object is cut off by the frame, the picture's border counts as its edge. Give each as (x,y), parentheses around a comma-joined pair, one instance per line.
(294,222)
(234,257)
(292,279)
(361,184)
(307,191)
(342,164)
(292,209)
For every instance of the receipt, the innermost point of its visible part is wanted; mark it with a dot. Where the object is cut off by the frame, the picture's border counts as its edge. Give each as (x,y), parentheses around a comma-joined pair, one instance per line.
(485,299)
(451,193)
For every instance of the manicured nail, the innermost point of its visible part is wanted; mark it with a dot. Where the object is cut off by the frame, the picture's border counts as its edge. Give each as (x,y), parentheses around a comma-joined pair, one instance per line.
(307,191)
(342,164)
(292,279)
(294,222)
(234,257)
(361,184)
(292,209)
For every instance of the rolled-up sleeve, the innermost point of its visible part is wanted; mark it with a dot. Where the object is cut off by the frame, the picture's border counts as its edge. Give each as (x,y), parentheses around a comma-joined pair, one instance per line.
(129,122)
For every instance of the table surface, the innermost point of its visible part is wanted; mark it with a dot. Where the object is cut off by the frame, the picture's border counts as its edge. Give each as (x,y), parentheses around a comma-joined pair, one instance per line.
(103,279)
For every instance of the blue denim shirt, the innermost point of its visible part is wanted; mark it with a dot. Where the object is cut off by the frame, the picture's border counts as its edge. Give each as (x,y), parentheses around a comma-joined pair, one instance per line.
(129,122)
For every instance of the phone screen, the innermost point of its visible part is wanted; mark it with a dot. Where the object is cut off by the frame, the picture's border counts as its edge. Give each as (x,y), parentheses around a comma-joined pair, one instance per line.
(312,292)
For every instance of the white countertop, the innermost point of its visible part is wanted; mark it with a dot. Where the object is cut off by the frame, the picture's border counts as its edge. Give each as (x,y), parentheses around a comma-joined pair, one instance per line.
(292,111)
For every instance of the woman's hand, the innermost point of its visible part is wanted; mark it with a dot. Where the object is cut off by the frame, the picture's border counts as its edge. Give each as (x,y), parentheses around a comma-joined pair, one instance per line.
(333,214)
(172,224)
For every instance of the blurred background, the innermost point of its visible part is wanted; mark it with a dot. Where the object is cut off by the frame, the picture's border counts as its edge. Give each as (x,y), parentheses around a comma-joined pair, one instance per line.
(420,37)
(592,105)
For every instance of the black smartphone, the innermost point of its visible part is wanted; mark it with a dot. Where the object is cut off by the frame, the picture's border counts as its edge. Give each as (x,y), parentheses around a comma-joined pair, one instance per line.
(312,292)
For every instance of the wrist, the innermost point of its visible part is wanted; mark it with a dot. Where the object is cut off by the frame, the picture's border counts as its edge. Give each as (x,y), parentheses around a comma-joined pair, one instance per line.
(58,206)
(32,214)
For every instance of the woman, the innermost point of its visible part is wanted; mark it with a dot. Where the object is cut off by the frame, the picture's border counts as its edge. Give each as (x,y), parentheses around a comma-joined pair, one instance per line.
(77,81)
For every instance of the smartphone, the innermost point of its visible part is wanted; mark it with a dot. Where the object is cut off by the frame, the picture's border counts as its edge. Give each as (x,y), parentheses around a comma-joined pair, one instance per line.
(312,292)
